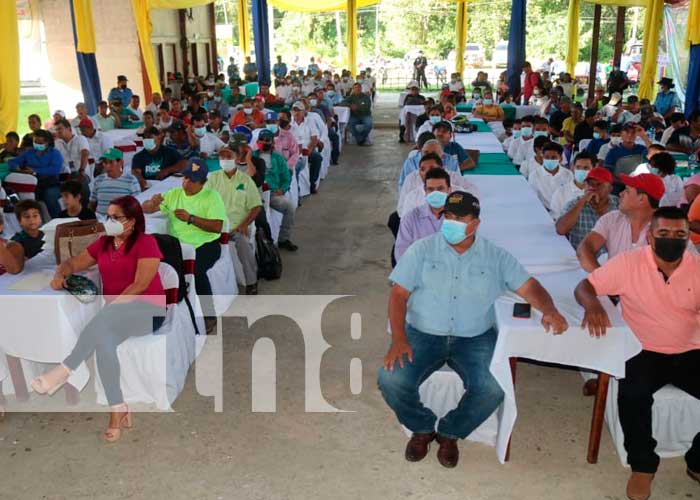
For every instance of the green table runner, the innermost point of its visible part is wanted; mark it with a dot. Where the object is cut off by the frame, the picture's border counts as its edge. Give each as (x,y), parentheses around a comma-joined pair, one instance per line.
(493,164)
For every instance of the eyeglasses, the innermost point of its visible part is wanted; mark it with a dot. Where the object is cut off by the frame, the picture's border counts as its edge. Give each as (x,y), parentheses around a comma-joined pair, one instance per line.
(116,218)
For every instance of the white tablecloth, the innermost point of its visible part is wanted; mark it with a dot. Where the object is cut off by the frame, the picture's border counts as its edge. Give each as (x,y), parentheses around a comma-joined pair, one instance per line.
(120,136)
(43,326)
(414,109)
(343,113)
(402,97)
(486,142)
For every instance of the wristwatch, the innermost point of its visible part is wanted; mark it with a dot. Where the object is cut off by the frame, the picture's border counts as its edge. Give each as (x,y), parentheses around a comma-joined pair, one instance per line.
(190,220)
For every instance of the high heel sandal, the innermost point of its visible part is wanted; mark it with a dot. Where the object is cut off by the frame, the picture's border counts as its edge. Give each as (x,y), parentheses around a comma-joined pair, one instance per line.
(51,382)
(113,434)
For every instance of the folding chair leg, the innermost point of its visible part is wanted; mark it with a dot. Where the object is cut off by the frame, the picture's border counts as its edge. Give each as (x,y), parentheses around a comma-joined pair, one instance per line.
(513,366)
(598,417)
(17,376)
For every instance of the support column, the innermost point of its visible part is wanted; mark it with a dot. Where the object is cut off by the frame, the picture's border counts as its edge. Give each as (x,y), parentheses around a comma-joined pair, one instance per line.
(212,36)
(594,50)
(619,36)
(186,70)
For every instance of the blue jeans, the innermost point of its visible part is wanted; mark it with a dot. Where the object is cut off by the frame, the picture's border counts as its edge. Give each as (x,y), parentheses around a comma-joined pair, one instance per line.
(360,135)
(469,357)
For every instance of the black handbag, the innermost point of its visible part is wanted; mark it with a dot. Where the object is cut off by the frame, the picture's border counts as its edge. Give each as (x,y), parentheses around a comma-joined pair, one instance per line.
(268,257)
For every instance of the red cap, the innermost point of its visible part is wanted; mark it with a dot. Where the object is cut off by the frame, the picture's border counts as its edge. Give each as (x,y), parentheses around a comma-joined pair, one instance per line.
(600,174)
(86,123)
(649,183)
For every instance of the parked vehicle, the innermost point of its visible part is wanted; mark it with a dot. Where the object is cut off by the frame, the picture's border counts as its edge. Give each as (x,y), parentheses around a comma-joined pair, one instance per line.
(474,55)
(500,54)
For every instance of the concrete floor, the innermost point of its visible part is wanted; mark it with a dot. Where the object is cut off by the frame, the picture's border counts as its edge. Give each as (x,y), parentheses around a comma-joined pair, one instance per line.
(197,453)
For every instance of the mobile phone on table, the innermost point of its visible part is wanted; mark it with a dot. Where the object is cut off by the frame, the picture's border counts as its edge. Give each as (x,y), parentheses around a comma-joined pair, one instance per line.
(521,311)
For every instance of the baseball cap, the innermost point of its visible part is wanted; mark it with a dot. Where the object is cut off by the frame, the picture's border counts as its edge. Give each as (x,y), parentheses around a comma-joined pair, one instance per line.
(630,126)
(443,124)
(462,203)
(237,140)
(112,154)
(122,78)
(86,123)
(271,116)
(177,126)
(60,113)
(412,84)
(649,183)
(299,105)
(196,170)
(266,135)
(600,174)
(615,98)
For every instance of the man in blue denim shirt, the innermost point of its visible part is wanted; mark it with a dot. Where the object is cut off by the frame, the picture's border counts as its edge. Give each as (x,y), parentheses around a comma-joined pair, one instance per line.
(441,312)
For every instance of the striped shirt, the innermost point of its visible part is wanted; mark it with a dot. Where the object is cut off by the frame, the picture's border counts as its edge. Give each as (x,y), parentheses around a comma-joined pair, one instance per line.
(108,188)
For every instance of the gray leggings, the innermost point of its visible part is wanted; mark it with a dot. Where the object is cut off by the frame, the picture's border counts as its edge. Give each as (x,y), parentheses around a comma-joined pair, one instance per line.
(112,326)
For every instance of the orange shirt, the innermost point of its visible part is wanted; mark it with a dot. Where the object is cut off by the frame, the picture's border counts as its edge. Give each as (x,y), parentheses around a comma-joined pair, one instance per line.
(664,315)
(694,215)
(257,118)
(493,112)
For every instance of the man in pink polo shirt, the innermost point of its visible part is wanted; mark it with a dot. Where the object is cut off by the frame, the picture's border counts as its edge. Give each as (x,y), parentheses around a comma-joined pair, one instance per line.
(659,288)
(626,228)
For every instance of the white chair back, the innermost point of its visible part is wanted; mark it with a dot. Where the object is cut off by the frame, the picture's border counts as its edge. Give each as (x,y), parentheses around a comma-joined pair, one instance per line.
(22,184)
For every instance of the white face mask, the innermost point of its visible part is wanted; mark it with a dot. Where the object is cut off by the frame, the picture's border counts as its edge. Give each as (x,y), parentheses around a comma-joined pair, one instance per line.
(113,227)
(616,141)
(227,165)
(248,111)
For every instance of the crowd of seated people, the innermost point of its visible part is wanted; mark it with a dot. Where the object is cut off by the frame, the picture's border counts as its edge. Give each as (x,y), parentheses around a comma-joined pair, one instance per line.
(608,175)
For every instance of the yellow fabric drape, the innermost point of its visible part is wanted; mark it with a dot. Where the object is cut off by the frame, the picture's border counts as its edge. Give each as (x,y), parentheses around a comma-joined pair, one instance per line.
(653,20)
(573,34)
(352,36)
(317,5)
(693,29)
(243,28)
(461,32)
(142,19)
(9,76)
(84,29)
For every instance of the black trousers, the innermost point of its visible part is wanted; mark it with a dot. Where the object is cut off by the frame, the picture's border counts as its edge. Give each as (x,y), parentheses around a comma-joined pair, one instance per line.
(205,258)
(393,224)
(645,374)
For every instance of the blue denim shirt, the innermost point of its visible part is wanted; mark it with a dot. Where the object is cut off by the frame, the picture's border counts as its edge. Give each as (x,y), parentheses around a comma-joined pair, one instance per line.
(123,95)
(49,164)
(664,102)
(453,294)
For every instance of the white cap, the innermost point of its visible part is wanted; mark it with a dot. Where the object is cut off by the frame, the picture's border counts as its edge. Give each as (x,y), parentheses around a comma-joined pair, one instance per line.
(60,113)
(615,98)
(412,84)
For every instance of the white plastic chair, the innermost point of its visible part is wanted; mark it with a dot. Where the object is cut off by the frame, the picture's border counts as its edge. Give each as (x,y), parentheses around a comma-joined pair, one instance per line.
(22,184)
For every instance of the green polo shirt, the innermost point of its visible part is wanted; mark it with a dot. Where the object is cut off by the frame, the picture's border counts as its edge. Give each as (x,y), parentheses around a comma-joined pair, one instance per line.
(206,204)
(239,193)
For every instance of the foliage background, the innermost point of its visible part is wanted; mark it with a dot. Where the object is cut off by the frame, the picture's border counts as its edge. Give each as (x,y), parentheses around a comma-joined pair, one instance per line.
(404,25)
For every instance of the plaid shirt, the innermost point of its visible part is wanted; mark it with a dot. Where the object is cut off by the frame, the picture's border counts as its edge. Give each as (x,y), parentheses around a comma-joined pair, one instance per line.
(586,219)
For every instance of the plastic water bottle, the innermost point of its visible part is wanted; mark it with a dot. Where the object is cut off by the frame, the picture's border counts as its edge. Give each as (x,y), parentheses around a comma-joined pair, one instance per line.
(651,133)
(693,162)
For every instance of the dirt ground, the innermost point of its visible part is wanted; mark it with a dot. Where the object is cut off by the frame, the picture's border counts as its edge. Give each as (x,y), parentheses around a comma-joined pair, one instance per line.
(196,453)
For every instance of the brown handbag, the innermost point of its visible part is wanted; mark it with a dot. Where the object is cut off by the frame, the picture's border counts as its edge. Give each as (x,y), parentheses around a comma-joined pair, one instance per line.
(72,238)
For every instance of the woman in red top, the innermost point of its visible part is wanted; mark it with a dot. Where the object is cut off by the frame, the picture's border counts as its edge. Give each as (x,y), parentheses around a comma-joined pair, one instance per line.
(128,261)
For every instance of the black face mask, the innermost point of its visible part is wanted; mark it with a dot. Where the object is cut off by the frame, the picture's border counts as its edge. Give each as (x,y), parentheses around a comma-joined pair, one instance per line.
(266,147)
(284,123)
(669,249)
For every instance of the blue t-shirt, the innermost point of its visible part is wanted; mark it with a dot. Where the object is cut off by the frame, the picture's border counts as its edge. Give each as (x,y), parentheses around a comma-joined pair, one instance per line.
(620,152)
(595,145)
(151,164)
(456,151)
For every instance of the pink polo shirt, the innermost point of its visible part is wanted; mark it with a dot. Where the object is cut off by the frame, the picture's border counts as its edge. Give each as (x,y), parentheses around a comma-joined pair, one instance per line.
(287,146)
(615,228)
(664,315)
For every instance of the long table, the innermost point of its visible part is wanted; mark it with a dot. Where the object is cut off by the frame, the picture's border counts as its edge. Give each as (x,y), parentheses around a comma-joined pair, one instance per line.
(509,110)
(513,218)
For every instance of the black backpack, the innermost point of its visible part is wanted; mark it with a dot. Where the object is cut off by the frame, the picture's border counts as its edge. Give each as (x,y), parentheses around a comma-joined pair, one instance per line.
(268,257)
(172,254)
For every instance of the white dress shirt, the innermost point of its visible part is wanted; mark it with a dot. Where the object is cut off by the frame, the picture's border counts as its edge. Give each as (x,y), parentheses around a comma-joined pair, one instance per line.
(70,151)
(545,184)
(210,144)
(412,192)
(301,132)
(562,196)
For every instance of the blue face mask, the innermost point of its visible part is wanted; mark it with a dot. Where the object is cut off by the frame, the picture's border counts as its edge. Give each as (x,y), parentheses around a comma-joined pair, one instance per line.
(580,175)
(435,119)
(149,144)
(517,133)
(488,102)
(436,199)
(550,165)
(272,127)
(654,170)
(330,93)
(596,135)
(39,147)
(553,109)
(541,133)
(526,131)
(453,231)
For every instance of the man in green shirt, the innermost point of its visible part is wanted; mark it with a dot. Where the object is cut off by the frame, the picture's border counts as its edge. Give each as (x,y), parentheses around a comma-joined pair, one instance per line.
(243,204)
(360,123)
(197,216)
(278,178)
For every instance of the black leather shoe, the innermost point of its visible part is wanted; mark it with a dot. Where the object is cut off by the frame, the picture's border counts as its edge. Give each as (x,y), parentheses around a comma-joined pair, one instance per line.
(251,289)
(695,476)
(448,453)
(418,446)
(287,245)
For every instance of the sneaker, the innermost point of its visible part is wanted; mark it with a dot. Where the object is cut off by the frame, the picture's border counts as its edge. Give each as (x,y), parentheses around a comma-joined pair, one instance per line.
(287,245)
